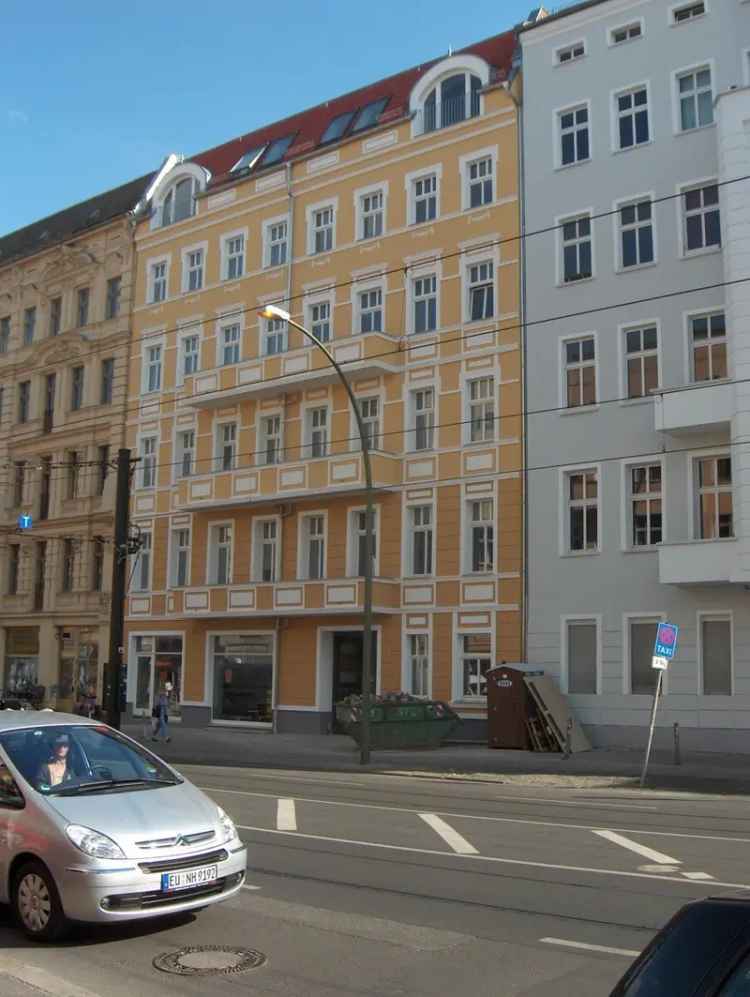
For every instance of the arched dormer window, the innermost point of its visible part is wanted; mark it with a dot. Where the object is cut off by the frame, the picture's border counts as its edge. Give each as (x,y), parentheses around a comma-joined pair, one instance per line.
(174,198)
(448,93)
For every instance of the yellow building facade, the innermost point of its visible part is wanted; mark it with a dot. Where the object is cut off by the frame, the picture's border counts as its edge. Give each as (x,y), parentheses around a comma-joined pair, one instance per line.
(387,223)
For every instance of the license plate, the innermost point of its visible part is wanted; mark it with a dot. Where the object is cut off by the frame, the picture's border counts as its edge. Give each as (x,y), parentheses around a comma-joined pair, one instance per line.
(184,879)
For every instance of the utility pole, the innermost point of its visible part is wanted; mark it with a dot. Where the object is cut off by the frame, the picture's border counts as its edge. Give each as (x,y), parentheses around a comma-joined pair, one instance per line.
(119,586)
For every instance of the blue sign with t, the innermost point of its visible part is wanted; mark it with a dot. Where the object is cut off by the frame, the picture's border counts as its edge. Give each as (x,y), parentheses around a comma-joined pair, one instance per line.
(24,522)
(666,641)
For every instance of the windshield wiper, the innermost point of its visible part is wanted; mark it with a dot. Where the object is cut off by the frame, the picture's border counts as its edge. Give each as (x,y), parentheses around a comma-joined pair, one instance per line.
(86,787)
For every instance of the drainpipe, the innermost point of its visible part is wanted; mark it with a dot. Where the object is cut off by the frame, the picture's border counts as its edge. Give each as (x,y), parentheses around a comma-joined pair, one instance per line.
(290,255)
(524,333)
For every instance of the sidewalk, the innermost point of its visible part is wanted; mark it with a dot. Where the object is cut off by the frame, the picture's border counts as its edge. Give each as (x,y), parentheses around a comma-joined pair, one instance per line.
(704,772)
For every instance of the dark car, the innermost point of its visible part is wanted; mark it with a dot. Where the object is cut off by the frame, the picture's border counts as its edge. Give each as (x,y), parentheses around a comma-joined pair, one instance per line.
(704,951)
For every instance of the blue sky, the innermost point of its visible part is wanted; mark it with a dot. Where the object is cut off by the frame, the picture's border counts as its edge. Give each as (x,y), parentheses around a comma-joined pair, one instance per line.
(93,94)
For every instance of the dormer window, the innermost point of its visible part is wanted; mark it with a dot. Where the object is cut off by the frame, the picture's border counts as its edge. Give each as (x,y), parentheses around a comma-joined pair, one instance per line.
(369,115)
(337,127)
(179,202)
(454,99)
(277,150)
(249,159)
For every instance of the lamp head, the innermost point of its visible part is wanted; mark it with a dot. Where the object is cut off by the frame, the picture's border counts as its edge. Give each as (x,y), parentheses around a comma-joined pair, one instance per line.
(273,311)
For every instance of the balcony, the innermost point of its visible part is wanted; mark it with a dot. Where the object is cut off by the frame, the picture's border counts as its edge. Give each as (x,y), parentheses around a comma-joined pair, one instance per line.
(698,562)
(695,407)
(341,473)
(450,111)
(368,355)
(339,596)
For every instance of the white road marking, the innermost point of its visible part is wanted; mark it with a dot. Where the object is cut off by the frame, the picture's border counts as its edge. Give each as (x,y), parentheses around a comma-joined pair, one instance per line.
(500,820)
(247,886)
(449,835)
(697,875)
(647,853)
(484,858)
(43,981)
(286,816)
(608,949)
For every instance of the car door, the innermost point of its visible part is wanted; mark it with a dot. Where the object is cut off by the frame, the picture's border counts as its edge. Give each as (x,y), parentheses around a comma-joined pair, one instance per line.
(11,805)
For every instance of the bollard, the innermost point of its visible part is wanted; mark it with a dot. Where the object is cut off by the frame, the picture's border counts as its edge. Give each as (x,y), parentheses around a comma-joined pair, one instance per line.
(677,759)
(569,738)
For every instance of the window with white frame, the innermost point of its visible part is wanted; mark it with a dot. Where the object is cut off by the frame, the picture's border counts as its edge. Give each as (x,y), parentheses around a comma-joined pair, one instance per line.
(716,655)
(424,298)
(317,431)
(270,440)
(641,361)
(370,304)
(481,288)
(275,243)
(582,496)
(577,262)
(481,409)
(633,127)
(230,343)
(180,558)
(148,461)
(193,263)
(142,569)
(226,435)
(189,355)
(423,415)
(570,53)
(475,660)
(185,452)
(179,202)
(234,260)
(702,221)
(420,525)
(642,637)
(371,215)
(322,222)
(313,539)
(481,523)
(689,11)
(480,182)
(425,198)
(636,234)
(708,342)
(580,371)
(575,146)
(158,281)
(713,479)
(265,542)
(274,339)
(645,499)
(581,655)
(419,677)
(220,554)
(454,99)
(370,411)
(358,523)
(626,33)
(320,320)
(695,98)
(153,368)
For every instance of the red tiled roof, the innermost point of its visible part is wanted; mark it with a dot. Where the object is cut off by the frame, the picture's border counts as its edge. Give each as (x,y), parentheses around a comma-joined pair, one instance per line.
(308,126)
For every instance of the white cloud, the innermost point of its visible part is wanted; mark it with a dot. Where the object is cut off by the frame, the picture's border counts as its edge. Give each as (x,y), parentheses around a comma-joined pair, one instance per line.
(17,117)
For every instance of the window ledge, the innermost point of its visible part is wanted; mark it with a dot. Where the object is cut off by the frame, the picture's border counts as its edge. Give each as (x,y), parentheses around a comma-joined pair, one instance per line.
(692,131)
(581,553)
(690,20)
(559,167)
(646,549)
(690,254)
(639,400)
(631,148)
(576,283)
(626,41)
(636,267)
(473,324)
(578,409)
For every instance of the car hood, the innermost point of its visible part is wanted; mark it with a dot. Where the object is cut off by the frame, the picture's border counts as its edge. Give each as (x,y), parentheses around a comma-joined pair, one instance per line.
(134,818)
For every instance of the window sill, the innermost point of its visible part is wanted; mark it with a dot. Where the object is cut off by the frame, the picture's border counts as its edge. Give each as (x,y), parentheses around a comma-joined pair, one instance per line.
(691,131)
(581,553)
(576,283)
(689,20)
(645,549)
(475,324)
(579,409)
(636,267)
(690,254)
(639,400)
(571,62)
(559,167)
(625,41)
(631,148)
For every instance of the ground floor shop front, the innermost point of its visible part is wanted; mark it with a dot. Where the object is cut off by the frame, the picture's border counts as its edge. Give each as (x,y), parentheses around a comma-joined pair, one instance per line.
(287,674)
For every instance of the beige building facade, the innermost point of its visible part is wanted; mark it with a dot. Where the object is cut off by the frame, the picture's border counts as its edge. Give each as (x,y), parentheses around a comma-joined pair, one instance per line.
(387,223)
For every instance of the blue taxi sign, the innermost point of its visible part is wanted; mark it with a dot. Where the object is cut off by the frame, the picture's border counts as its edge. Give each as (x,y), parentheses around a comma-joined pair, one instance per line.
(24,522)
(666,641)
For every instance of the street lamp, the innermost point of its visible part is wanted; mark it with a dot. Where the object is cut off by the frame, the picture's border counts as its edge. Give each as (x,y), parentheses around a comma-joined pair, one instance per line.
(274,312)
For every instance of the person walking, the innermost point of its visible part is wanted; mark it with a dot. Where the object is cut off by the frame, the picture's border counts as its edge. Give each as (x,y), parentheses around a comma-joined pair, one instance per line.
(161,715)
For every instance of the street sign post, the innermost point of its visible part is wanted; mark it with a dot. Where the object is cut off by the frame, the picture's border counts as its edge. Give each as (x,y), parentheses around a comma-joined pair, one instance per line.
(665,647)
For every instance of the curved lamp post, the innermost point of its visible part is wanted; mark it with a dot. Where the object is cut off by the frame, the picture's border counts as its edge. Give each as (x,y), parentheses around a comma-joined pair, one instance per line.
(274,312)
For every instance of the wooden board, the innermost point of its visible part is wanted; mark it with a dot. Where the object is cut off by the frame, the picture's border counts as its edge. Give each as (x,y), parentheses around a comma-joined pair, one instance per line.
(555,709)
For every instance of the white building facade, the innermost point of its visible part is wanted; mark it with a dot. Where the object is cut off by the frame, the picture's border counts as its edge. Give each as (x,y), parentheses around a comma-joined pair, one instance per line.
(637,340)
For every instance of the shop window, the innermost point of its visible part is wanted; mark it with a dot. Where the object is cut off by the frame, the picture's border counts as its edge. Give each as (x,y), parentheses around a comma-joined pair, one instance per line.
(242,677)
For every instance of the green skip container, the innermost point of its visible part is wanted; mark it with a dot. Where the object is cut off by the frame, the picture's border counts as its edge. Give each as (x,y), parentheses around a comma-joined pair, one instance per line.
(402,725)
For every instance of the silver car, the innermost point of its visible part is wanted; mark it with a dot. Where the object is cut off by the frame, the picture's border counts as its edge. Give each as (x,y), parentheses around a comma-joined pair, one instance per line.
(93,827)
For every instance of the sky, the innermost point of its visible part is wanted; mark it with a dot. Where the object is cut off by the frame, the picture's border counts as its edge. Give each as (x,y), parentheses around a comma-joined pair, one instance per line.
(93,94)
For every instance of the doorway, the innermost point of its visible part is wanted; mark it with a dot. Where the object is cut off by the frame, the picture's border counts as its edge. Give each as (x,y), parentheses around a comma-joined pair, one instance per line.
(347,667)
(158,663)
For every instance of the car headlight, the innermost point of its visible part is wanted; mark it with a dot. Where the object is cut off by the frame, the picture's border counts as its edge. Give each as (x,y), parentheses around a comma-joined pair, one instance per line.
(93,843)
(227,826)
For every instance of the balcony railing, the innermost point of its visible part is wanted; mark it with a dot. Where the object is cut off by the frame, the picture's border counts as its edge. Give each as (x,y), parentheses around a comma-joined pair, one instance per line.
(694,407)
(443,113)
(699,562)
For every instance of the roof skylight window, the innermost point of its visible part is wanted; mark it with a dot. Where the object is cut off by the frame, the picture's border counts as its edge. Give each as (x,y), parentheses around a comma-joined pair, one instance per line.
(249,159)
(277,150)
(369,114)
(337,127)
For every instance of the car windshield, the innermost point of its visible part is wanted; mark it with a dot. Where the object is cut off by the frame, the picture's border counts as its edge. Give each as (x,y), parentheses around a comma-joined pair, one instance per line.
(75,758)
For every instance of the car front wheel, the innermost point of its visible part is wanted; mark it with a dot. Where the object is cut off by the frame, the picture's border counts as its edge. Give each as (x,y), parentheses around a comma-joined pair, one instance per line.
(36,903)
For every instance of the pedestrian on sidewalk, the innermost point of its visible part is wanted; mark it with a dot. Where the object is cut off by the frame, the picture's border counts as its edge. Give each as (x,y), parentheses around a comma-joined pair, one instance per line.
(161,715)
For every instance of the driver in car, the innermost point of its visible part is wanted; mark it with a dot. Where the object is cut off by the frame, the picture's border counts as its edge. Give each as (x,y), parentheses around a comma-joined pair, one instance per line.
(57,768)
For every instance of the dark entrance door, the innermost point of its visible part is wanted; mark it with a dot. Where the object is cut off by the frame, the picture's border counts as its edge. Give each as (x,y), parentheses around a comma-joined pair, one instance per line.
(347,667)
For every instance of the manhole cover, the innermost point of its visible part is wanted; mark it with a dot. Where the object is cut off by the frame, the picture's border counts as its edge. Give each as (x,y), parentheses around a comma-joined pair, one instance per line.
(209,960)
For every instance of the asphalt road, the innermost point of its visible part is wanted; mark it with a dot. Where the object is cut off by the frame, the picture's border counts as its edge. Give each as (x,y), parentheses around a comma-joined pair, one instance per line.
(377,885)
